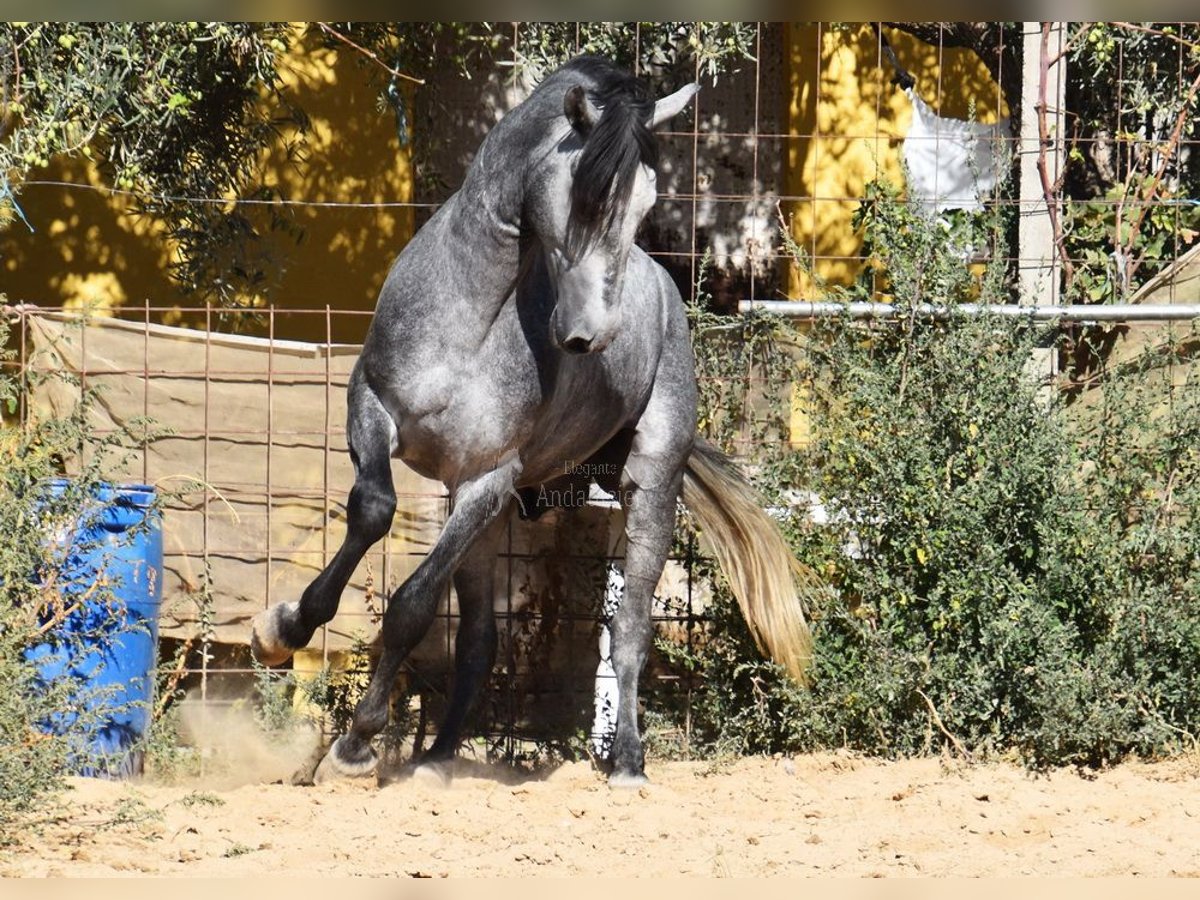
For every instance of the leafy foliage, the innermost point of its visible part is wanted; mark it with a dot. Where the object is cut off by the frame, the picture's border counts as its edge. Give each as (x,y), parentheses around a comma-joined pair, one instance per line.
(47,719)
(1012,566)
(1130,186)
(170,111)
(657,49)
(741,368)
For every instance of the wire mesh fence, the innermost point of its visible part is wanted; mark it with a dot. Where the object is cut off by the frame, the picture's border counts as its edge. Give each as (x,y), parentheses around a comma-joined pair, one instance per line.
(1084,132)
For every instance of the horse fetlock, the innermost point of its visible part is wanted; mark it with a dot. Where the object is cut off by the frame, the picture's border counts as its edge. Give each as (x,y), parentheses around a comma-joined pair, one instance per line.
(628,760)
(267,634)
(346,759)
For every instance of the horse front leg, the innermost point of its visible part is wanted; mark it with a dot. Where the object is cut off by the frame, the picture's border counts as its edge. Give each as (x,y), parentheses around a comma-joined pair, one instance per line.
(411,610)
(286,627)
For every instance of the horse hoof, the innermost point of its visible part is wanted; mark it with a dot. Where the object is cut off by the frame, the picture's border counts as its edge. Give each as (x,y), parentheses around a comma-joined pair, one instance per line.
(628,780)
(335,768)
(433,774)
(265,641)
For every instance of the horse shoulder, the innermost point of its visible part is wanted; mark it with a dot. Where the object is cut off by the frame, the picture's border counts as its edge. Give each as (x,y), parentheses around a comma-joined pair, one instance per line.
(657,292)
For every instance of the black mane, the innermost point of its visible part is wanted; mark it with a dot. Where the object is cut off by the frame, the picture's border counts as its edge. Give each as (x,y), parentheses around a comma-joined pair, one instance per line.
(613,149)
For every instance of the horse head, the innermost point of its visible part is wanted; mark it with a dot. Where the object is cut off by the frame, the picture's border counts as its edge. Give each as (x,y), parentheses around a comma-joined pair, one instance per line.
(598,185)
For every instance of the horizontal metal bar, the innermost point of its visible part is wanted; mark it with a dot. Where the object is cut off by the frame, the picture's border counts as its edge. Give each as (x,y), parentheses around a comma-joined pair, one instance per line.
(1080,312)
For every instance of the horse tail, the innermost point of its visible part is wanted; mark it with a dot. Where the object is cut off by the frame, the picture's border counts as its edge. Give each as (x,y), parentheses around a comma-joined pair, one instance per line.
(768,581)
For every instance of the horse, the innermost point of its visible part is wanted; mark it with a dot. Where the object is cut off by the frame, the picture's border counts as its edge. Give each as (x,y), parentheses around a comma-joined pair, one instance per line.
(522,343)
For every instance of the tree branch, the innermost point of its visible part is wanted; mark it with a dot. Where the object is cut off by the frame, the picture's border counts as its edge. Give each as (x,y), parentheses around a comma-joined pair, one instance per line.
(1050,189)
(370,54)
(1172,145)
(986,40)
(1158,32)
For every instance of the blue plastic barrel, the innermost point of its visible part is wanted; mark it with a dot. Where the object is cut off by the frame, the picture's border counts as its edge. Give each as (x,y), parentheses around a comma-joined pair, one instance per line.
(110,649)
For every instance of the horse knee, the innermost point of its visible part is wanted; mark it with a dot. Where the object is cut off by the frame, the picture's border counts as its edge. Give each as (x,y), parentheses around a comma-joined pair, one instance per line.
(371,510)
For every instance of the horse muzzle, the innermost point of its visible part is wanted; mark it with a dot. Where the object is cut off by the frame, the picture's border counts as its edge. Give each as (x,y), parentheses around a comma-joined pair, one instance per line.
(579,338)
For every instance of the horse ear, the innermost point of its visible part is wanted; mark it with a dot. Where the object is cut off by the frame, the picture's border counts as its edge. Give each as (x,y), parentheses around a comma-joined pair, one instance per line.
(579,110)
(669,107)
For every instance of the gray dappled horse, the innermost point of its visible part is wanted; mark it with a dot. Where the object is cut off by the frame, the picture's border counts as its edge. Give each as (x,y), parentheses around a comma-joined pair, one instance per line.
(520,331)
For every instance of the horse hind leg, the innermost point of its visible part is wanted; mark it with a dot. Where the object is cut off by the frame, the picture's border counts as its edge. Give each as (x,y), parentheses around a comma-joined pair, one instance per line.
(284,628)
(474,650)
(649,524)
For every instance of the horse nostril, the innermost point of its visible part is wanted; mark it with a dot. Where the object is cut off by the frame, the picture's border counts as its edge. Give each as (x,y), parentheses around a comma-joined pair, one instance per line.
(577,345)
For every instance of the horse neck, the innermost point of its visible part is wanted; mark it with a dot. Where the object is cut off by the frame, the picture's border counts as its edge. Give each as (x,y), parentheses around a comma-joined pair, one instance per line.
(485,215)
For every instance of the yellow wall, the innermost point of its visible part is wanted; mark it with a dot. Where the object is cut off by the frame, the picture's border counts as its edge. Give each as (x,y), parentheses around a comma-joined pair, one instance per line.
(845,125)
(88,250)
(846,121)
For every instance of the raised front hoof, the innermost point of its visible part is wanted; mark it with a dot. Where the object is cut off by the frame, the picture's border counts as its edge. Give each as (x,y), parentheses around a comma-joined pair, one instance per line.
(623,780)
(341,763)
(266,640)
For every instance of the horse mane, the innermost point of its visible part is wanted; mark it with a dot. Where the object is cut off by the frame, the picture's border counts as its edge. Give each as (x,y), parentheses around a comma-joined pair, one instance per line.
(612,151)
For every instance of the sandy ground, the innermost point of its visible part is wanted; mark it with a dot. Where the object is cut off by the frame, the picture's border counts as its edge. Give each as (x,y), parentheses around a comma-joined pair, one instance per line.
(833,814)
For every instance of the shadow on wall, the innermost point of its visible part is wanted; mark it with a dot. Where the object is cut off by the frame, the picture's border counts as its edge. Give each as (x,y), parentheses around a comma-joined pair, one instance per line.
(92,250)
(846,123)
(88,250)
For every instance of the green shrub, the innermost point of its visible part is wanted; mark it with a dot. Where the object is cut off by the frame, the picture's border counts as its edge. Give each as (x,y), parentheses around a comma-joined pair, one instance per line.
(45,726)
(1013,565)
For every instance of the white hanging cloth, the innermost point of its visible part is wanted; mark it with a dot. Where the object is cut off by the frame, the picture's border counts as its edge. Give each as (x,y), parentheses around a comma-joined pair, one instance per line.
(952,164)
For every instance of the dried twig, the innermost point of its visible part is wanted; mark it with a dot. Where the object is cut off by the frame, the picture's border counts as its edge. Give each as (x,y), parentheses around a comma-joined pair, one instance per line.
(1164,509)
(1153,713)
(1169,151)
(937,720)
(78,603)
(1071,42)
(167,692)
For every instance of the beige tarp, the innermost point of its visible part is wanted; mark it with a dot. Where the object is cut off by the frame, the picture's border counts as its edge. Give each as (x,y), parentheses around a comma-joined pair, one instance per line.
(1177,283)
(256,447)
(1129,344)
